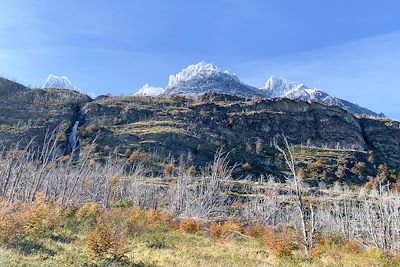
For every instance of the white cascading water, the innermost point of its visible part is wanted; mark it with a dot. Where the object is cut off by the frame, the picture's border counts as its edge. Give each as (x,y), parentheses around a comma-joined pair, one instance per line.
(72,137)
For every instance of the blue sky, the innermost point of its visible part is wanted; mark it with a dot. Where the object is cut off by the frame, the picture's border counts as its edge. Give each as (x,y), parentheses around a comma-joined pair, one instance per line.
(351,48)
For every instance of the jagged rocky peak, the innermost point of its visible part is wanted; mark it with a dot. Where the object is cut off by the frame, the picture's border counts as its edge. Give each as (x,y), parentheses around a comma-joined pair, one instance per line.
(276,87)
(59,82)
(148,90)
(201,70)
(281,88)
(204,78)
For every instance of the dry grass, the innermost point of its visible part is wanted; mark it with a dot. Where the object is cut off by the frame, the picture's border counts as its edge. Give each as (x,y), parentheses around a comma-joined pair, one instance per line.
(42,234)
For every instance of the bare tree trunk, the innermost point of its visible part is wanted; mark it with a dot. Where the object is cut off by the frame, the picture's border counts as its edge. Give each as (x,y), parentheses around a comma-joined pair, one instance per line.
(307,222)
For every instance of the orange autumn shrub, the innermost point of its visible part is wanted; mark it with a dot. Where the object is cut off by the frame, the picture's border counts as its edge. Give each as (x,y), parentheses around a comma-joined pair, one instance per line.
(40,219)
(99,241)
(11,223)
(107,238)
(215,230)
(28,220)
(152,219)
(230,226)
(117,217)
(134,156)
(320,244)
(190,226)
(152,216)
(88,212)
(351,246)
(143,221)
(136,222)
(105,242)
(136,214)
(255,230)
(279,244)
(332,244)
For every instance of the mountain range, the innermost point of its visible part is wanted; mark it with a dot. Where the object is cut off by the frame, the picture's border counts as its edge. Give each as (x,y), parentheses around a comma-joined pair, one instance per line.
(204,78)
(201,78)
(281,88)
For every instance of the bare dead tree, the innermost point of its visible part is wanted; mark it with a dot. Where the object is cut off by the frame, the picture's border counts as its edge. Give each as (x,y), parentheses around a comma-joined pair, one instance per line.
(306,212)
(262,205)
(370,217)
(203,197)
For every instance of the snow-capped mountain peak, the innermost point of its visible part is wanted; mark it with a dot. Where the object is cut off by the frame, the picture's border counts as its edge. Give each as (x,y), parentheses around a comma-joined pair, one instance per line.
(59,82)
(276,87)
(200,70)
(147,90)
(204,78)
(281,88)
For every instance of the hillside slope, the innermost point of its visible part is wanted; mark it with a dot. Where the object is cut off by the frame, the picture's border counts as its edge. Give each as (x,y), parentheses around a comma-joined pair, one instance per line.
(27,113)
(197,127)
(161,130)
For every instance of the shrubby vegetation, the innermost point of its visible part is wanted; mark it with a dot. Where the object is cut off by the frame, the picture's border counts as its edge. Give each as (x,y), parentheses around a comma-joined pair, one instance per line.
(57,210)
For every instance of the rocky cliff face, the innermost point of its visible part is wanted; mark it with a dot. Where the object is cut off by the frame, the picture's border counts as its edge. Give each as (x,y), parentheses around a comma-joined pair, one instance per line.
(195,128)
(27,113)
(383,136)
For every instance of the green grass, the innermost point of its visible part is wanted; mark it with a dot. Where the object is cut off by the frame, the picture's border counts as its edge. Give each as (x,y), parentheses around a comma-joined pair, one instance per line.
(175,248)
(160,248)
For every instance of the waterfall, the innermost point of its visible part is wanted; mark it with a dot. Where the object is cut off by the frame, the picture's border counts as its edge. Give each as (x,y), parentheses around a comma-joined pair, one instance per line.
(72,136)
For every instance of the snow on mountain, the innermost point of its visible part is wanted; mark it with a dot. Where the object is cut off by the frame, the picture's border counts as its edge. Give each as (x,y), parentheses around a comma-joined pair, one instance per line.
(276,87)
(207,78)
(147,90)
(203,78)
(281,88)
(59,82)
(197,71)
